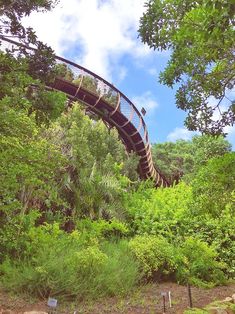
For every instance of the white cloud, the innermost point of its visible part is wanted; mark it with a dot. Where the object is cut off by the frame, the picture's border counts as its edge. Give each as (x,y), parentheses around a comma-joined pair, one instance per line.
(184,134)
(102,31)
(212,102)
(145,100)
(180,133)
(223,106)
(122,73)
(230,130)
(153,71)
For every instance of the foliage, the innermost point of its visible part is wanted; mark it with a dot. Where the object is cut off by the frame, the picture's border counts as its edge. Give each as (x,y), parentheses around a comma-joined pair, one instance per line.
(223,305)
(159,212)
(41,60)
(27,163)
(121,273)
(200,36)
(196,264)
(58,264)
(213,186)
(195,311)
(179,211)
(217,305)
(207,147)
(192,261)
(88,82)
(21,91)
(12,12)
(182,159)
(92,84)
(218,232)
(111,96)
(63,71)
(94,180)
(154,254)
(13,233)
(61,264)
(102,229)
(173,159)
(53,171)
(212,209)
(70,196)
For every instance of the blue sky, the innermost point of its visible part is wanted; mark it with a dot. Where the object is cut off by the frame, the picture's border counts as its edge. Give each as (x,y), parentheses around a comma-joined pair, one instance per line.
(102,36)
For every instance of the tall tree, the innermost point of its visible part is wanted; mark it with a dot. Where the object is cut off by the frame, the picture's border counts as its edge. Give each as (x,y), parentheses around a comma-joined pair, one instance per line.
(42,59)
(200,35)
(19,88)
(22,69)
(98,168)
(12,12)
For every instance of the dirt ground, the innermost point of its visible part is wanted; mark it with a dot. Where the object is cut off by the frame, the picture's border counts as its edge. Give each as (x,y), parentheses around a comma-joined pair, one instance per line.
(147,300)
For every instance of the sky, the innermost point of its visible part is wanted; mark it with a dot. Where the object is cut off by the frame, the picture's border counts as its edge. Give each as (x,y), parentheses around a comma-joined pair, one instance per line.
(102,35)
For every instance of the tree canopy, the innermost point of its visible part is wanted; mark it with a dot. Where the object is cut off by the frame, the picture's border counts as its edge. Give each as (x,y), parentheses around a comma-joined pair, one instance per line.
(200,36)
(182,159)
(42,59)
(11,13)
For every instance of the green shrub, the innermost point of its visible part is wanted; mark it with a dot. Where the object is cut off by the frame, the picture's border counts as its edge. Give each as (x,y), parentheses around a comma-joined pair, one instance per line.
(154,255)
(219,233)
(159,212)
(212,210)
(56,275)
(120,274)
(56,263)
(195,311)
(213,186)
(14,234)
(226,306)
(64,265)
(197,264)
(210,308)
(102,229)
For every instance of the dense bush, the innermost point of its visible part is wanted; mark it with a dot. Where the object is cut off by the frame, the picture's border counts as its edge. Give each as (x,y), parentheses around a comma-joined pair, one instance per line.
(196,263)
(211,212)
(159,212)
(64,265)
(204,210)
(154,255)
(182,159)
(218,232)
(193,261)
(214,185)
(102,229)
(121,272)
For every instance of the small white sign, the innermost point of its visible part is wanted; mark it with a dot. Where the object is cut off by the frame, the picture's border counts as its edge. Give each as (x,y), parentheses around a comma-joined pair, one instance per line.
(52,302)
(163,294)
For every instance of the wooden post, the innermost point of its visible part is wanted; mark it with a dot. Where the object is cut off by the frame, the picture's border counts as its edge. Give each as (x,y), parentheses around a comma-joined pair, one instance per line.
(190,295)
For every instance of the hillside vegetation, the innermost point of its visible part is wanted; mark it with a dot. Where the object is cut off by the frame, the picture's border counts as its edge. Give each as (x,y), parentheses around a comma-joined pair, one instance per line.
(76,221)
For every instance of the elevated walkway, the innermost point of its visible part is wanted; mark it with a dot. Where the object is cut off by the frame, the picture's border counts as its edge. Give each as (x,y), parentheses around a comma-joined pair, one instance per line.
(106,101)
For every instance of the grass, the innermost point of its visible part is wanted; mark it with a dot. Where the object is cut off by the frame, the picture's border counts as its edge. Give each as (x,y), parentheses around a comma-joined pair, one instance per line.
(72,273)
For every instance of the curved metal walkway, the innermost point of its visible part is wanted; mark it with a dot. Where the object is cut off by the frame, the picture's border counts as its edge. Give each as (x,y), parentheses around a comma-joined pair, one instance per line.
(106,101)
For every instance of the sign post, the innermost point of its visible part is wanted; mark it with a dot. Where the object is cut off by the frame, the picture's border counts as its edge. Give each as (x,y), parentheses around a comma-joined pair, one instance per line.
(190,295)
(169,297)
